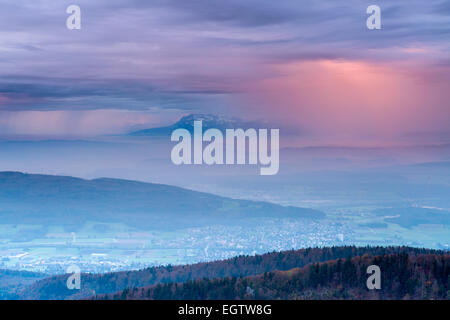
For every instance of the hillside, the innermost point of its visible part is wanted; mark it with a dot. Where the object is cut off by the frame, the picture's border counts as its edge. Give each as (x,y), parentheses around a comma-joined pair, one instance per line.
(12,282)
(68,201)
(409,217)
(55,287)
(402,277)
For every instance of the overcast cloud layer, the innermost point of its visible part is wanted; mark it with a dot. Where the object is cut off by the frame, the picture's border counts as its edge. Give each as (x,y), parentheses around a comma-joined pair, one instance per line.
(161,59)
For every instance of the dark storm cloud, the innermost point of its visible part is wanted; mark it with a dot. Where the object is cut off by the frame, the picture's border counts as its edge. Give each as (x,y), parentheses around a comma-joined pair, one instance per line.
(171,52)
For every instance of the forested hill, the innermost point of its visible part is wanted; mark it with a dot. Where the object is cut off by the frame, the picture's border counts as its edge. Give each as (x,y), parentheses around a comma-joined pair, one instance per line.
(243,266)
(12,282)
(403,276)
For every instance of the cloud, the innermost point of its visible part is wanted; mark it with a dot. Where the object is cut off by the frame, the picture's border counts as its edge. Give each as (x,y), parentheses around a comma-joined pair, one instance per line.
(203,55)
(69,123)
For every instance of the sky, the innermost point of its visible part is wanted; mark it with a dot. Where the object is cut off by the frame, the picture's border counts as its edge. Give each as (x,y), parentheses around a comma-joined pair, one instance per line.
(303,64)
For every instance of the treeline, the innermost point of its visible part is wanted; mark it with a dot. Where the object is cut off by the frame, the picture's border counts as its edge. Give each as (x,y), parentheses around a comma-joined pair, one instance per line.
(242,266)
(403,276)
(12,282)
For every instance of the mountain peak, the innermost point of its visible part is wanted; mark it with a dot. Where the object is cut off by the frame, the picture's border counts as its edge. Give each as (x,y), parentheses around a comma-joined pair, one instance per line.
(220,122)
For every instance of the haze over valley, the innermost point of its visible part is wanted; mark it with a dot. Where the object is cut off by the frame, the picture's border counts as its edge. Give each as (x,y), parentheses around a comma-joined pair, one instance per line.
(352,195)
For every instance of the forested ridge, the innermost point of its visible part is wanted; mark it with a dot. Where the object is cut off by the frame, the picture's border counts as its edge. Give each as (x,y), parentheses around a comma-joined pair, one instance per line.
(242,266)
(403,276)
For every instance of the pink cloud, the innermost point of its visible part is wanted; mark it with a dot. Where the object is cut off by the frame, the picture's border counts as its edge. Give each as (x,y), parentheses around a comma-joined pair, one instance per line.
(354,99)
(73,123)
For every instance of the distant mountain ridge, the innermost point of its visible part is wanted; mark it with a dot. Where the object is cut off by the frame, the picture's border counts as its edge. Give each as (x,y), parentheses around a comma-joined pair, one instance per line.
(70,202)
(208,121)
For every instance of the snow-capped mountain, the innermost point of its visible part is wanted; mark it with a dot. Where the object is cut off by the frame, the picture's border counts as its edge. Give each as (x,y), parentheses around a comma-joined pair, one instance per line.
(208,120)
